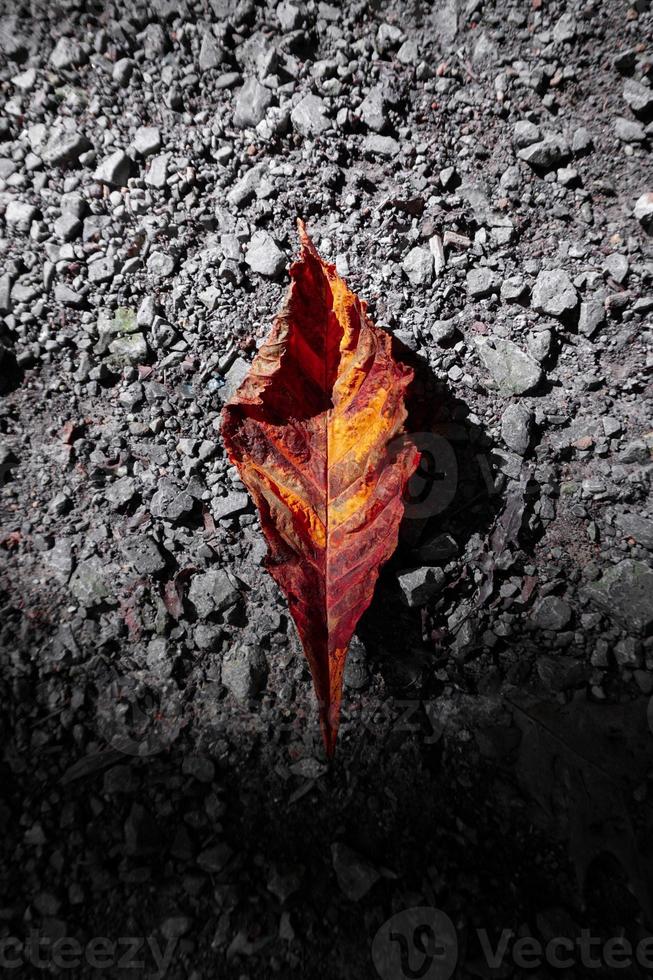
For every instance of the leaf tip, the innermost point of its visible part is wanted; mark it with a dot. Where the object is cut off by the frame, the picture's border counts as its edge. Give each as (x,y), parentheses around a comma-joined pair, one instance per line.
(305,240)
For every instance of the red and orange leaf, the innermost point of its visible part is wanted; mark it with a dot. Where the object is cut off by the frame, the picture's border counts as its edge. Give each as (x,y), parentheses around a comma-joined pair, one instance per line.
(310,430)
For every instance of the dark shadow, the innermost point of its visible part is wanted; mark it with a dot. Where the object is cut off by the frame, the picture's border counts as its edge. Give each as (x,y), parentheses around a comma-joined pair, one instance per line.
(450,499)
(11,374)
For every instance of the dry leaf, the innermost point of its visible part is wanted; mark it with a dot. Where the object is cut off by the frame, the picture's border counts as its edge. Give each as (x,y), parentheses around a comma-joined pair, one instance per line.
(310,430)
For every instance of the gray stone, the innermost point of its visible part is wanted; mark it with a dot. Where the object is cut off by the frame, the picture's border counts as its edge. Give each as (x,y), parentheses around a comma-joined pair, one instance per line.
(628,130)
(525,133)
(356,675)
(170,502)
(516,423)
(5,293)
(626,652)
(114,169)
(159,657)
(211,54)
(443,330)
(73,204)
(539,344)
(246,187)
(418,266)
(381,146)
(591,317)
(20,214)
(25,80)
(160,264)
(565,28)
(616,265)
(567,176)
(213,859)
(212,592)
(481,282)
(122,71)
(309,116)
(264,256)
(408,53)
(65,147)
(638,527)
(547,154)
(513,289)
(289,16)
(551,613)
(513,371)
(210,297)
(638,96)
(67,53)
(61,560)
(25,292)
(207,636)
(252,102)
(66,296)
(244,671)
(581,140)
(121,492)
(388,37)
(355,875)
(67,227)
(147,139)
(625,593)
(7,168)
(372,110)
(102,269)
(554,293)
(418,585)
(157,174)
(146,312)
(155,42)
(234,503)
(643,211)
(436,248)
(611,427)
(234,377)
(90,582)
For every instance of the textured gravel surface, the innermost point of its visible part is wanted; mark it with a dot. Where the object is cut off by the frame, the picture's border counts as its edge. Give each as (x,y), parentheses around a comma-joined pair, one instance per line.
(481,173)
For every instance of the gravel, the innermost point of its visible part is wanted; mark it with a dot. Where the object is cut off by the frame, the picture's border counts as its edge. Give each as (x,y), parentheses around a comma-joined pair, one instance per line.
(480,175)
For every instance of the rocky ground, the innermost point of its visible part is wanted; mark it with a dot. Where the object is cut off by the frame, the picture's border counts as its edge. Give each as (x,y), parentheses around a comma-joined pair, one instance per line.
(481,173)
